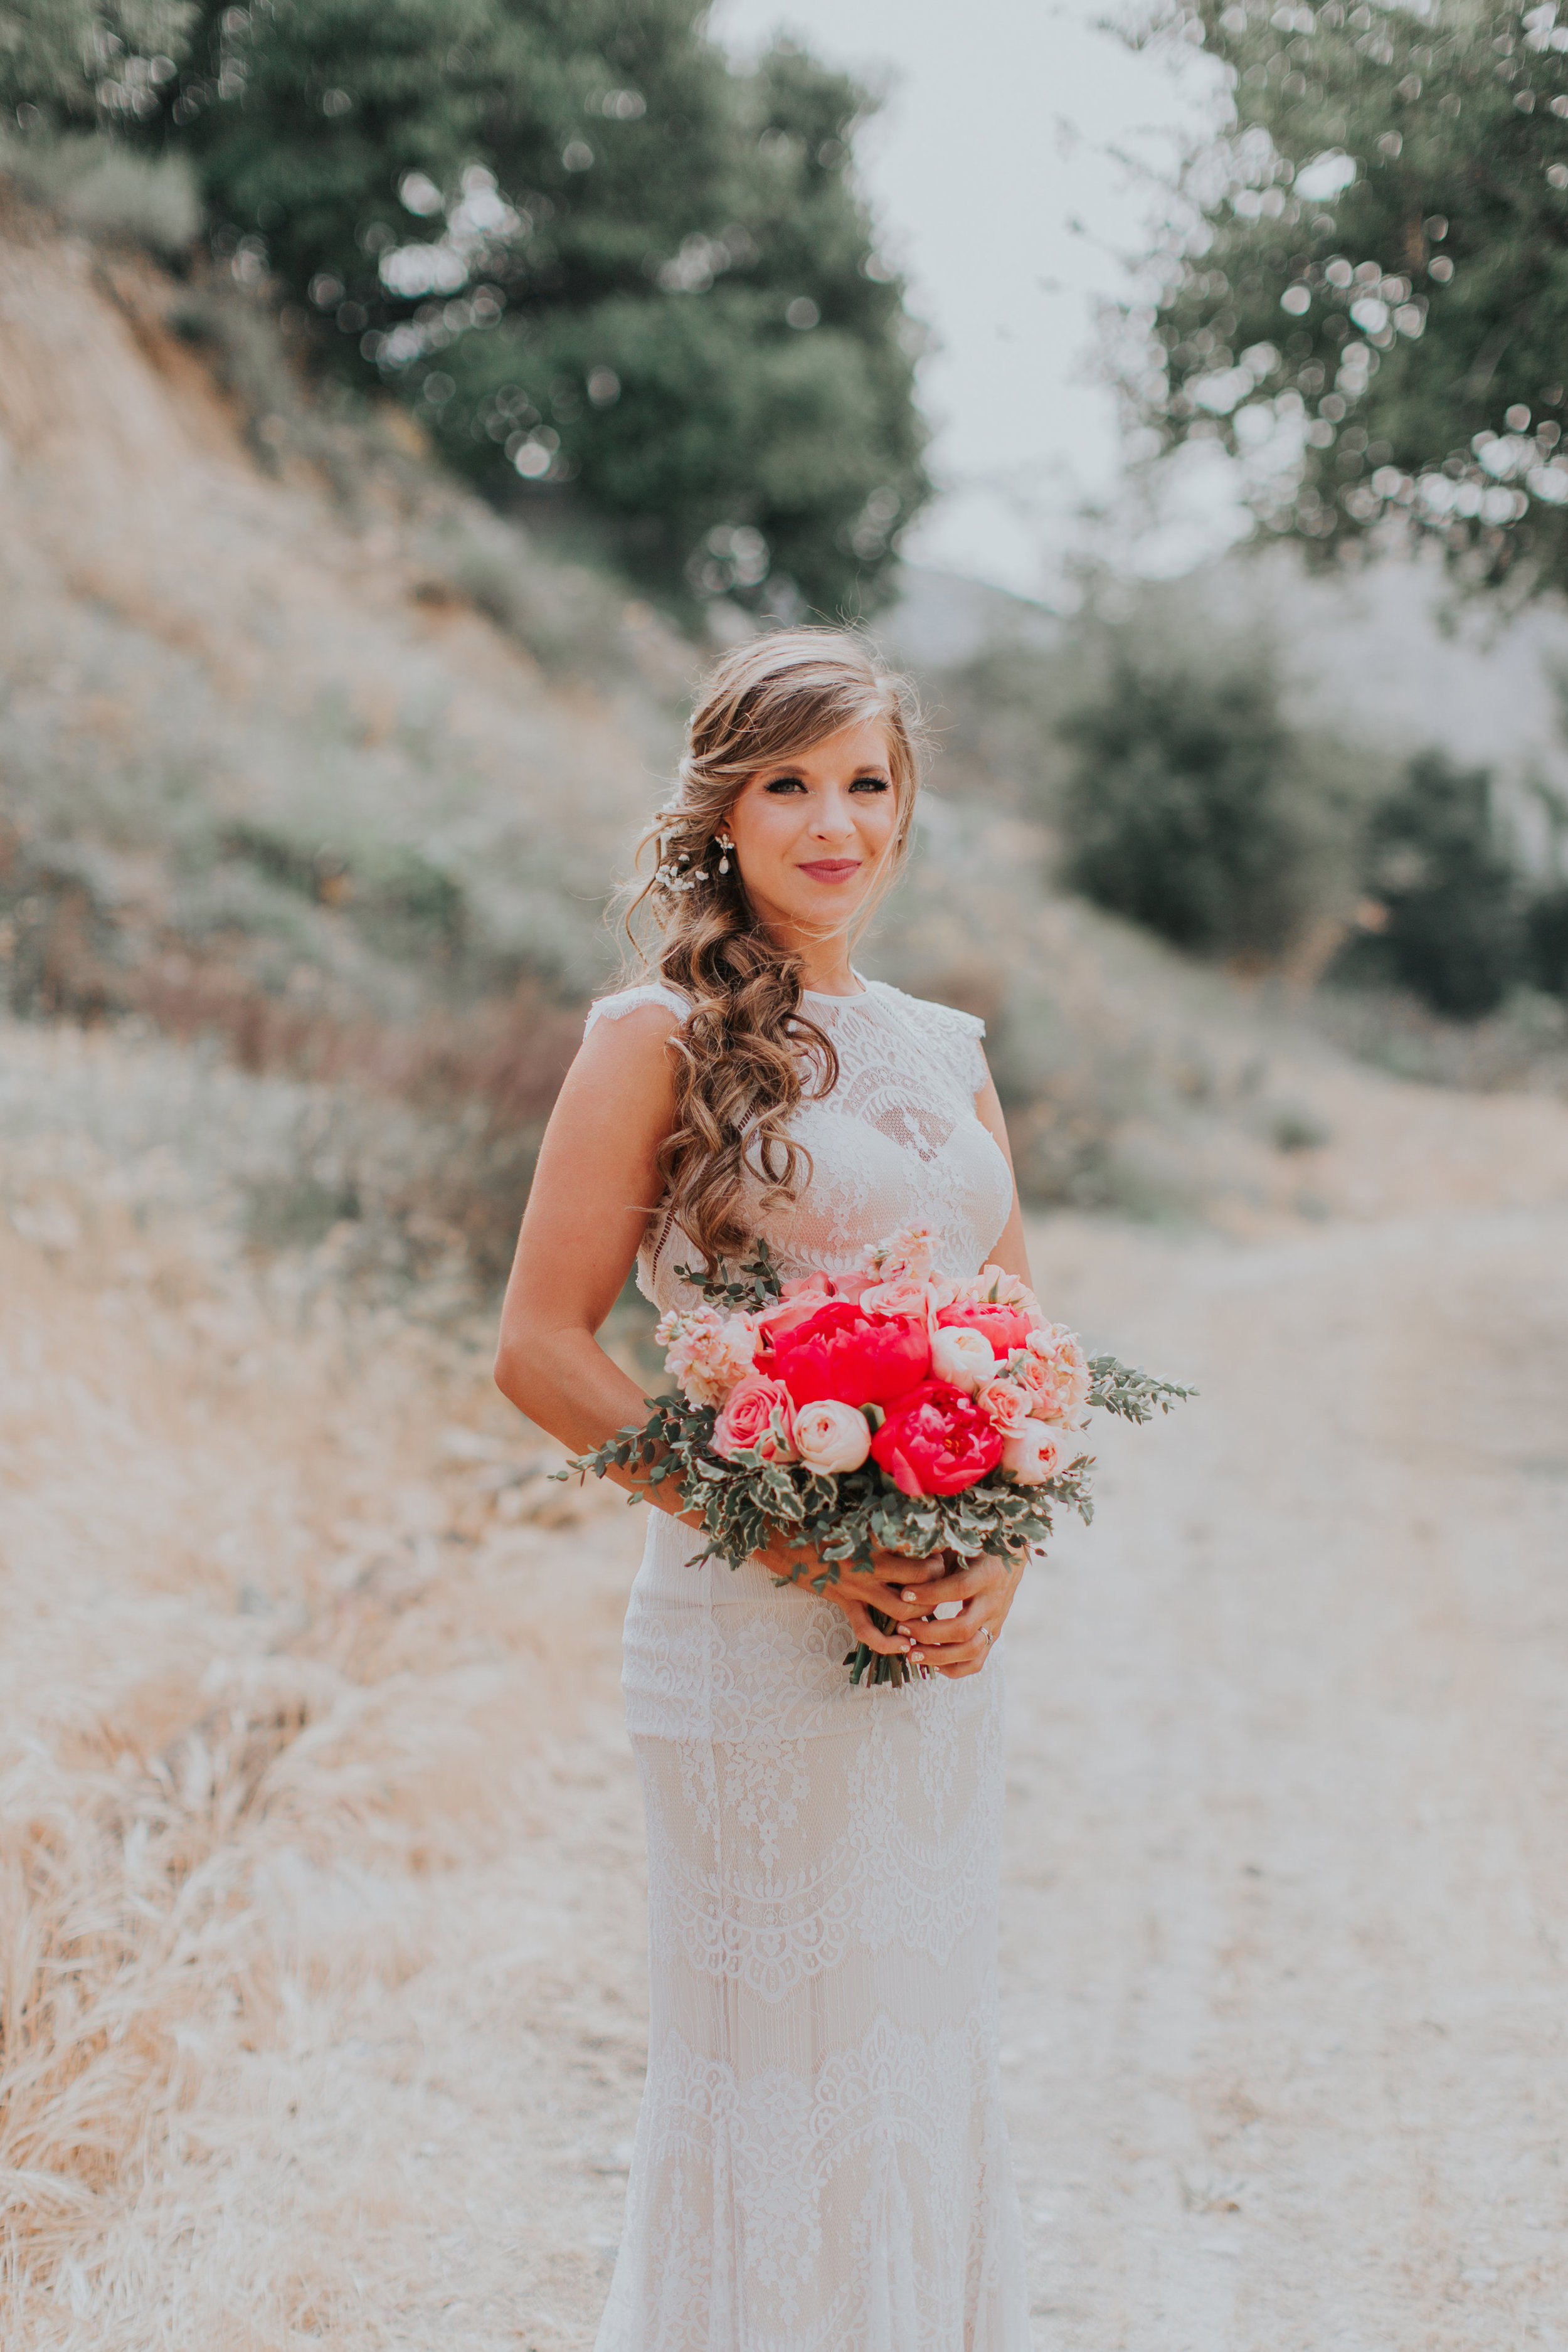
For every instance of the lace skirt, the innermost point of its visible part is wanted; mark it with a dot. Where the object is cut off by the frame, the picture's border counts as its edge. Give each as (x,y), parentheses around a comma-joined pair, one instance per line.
(821,2163)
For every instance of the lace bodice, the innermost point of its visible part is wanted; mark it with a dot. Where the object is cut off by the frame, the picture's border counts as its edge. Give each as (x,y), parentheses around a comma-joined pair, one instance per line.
(897,1142)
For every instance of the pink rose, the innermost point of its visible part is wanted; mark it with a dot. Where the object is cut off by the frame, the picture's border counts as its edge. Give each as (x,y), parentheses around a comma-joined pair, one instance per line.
(831,1436)
(1004,1405)
(1034,1453)
(962,1357)
(757,1417)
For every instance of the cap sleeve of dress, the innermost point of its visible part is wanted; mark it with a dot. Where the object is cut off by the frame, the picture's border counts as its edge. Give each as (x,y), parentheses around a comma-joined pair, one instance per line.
(967,1030)
(631,1000)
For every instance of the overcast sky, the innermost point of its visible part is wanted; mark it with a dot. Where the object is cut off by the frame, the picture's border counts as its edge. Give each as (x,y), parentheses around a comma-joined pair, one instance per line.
(990,174)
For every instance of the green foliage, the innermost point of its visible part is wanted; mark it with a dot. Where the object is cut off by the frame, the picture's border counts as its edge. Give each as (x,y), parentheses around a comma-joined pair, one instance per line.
(1388,355)
(1453,918)
(1546,933)
(584,249)
(69,63)
(1191,810)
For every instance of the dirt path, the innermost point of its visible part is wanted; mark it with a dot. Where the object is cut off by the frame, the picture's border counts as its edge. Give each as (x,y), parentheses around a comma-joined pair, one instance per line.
(1285,1910)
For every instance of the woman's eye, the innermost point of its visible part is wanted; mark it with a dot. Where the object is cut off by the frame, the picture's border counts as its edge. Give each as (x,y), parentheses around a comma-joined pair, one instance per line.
(784,784)
(869,785)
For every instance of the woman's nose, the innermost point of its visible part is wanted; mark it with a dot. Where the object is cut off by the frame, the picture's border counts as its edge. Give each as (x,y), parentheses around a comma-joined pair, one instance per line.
(833,819)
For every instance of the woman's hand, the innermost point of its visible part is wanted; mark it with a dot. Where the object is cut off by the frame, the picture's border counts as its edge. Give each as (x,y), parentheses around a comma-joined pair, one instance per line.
(960,1644)
(857,1591)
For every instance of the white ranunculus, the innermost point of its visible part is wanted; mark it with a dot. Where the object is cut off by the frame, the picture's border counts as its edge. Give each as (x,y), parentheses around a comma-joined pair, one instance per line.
(832,1436)
(962,1356)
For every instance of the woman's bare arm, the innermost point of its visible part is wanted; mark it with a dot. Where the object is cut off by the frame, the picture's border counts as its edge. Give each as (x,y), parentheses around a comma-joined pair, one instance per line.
(596,1181)
(1010,1249)
(595,1184)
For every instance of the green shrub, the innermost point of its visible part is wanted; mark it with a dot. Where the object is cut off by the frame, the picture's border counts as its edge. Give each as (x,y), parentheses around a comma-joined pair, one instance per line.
(1195,807)
(1546,928)
(1454,928)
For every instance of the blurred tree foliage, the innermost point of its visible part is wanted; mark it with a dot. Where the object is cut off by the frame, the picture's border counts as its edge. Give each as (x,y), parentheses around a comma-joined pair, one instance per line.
(1454,926)
(1196,809)
(69,64)
(1368,299)
(1546,933)
(582,246)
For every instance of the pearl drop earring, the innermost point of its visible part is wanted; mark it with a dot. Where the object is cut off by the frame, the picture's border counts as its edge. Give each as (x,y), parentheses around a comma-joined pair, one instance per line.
(724,861)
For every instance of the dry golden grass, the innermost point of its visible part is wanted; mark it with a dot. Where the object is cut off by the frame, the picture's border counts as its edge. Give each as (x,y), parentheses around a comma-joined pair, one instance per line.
(270,1674)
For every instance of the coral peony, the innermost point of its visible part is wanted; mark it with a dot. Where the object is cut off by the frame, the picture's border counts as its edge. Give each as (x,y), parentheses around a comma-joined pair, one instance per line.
(936,1441)
(831,1436)
(962,1356)
(756,1415)
(840,1352)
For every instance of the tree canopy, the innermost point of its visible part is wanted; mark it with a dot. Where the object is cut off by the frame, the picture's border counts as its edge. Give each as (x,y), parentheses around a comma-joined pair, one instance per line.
(1366,296)
(582,244)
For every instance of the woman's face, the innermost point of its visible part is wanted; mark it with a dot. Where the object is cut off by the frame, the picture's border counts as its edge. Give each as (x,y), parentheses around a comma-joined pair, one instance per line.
(813,832)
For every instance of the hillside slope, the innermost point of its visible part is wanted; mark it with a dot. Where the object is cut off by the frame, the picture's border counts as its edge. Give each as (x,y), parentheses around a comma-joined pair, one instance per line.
(201,634)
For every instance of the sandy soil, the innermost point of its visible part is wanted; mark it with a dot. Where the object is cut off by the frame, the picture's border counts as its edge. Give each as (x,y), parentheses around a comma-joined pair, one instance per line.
(1286,1907)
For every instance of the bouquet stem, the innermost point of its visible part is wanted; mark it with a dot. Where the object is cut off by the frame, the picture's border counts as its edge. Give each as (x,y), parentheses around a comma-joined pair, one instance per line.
(873,1666)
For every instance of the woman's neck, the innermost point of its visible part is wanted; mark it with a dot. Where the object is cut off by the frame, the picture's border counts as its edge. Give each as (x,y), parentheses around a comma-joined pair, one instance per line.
(824,967)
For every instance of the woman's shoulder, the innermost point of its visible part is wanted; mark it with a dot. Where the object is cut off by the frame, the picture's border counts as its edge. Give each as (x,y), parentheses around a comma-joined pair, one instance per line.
(643,993)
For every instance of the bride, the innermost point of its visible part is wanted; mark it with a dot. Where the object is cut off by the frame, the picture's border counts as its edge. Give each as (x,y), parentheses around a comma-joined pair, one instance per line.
(821,2163)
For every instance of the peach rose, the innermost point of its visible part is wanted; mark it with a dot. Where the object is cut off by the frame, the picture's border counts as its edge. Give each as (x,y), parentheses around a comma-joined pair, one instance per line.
(831,1436)
(904,1297)
(756,1415)
(962,1356)
(1034,1453)
(1004,1405)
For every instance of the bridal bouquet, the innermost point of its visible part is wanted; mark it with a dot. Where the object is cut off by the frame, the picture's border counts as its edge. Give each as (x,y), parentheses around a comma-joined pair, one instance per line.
(897,1409)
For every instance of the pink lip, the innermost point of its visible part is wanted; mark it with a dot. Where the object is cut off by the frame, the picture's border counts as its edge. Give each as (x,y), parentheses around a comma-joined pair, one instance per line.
(833,869)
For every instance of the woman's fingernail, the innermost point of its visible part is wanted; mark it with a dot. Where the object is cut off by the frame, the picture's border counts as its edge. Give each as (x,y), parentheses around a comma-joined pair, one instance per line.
(908,1596)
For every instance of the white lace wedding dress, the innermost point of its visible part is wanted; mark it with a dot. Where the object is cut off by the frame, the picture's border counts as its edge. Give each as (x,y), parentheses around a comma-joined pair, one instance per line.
(821,2163)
